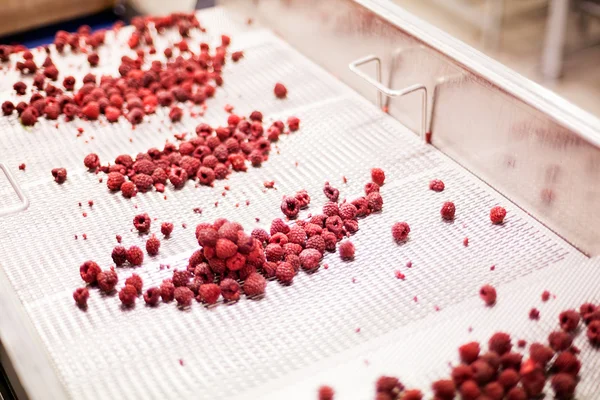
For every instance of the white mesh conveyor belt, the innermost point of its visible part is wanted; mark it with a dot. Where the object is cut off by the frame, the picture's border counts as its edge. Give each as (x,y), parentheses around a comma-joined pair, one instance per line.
(300,336)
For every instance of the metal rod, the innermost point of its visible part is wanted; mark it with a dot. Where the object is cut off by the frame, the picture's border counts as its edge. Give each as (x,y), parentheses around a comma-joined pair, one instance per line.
(24,201)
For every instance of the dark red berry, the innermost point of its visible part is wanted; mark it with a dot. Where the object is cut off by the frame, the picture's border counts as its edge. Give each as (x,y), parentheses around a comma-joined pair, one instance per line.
(593,332)
(500,343)
(436,185)
(81,296)
(289,206)
(230,289)
(152,296)
(488,294)
(107,280)
(255,285)
(563,386)
(534,314)
(184,296)
(59,174)
(119,255)
(285,272)
(569,320)
(293,123)
(135,256)
(167,290)
(115,180)
(166,228)
(330,192)
(128,295)
(209,293)
(128,189)
(280,91)
(444,389)
(89,271)
(560,341)
(469,352)
(325,393)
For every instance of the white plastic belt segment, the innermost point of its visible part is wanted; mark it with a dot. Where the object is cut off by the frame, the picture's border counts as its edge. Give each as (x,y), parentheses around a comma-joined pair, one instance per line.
(231,350)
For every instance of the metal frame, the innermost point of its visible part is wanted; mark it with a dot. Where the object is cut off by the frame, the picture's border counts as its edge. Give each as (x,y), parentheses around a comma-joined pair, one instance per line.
(24,200)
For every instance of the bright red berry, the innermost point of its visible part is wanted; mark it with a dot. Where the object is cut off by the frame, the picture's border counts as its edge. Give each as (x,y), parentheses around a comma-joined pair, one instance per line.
(469,352)
(254,285)
(152,245)
(500,343)
(136,281)
(167,290)
(59,174)
(166,228)
(107,280)
(280,91)
(128,295)
(569,320)
(378,176)
(488,294)
(497,215)
(209,293)
(142,223)
(400,231)
(91,161)
(448,211)
(183,296)
(436,185)
(89,271)
(285,272)
(135,256)
(326,393)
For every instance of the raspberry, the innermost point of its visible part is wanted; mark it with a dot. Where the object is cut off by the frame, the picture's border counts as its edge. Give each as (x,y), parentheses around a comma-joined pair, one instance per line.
(310,259)
(563,386)
(136,281)
(569,320)
(469,390)
(209,293)
(331,193)
(119,255)
(175,114)
(274,252)
(325,393)
(89,271)
(107,280)
(297,235)
(560,341)
(112,114)
(183,296)
(362,207)
(143,182)
(293,123)
(293,260)
(81,296)
(128,295)
(7,108)
(511,360)
(509,378)
(230,289)
(593,332)
(115,180)
(166,228)
(91,161)
(333,224)
(516,393)
(469,352)
(497,215)
(412,394)
(494,391)
(20,88)
(277,225)
(135,256)
(500,343)
(448,211)
(144,166)
(91,110)
(587,308)
(289,206)
(152,246)
(461,373)
(225,248)
(346,250)
(93,59)
(378,176)
(235,262)
(444,389)
(482,371)
(128,189)
(330,209)
(436,185)
(330,240)
(269,268)
(124,160)
(302,198)
(206,176)
(178,177)
(285,272)
(280,91)
(593,316)
(316,242)
(207,237)
(371,187)
(400,231)
(488,294)
(167,290)
(375,201)
(534,314)
(279,238)
(180,278)
(159,176)
(59,174)
(566,362)
(142,222)
(245,243)
(254,285)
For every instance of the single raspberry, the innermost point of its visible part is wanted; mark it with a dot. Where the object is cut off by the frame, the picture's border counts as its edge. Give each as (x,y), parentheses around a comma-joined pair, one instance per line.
(469,352)
(7,108)
(378,176)
(167,290)
(254,285)
(461,373)
(316,242)
(545,296)
(285,272)
(128,295)
(230,289)
(180,278)
(482,371)
(159,176)
(331,193)
(183,296)
(278,225)
(59,174)
(274,252)
(293,260)
(135,256)
(497,215)
(144,166)
(166,228)
(347,211)
(128,189)
(331,209)
(362,207)
(509,378)
(412,394)
(330,240)
(488,294)
(436,185)
(93,59)
(91,161)
(593,316)
(444,389)
(280,91)
(333,224)
(293,123)
(303,198)
(152,296)
(375,201)
(235,262)
(310,259)
(494,391)
(152,246)
(119,255)
(540,354)
(400,231)
(346,250)
(560,341)
(469,390)
(175,114)
(516,393)
(206,176)
(371,187)
(500,343)
(207,237)
(566,362)
(81,296)
(209,293)
(142,222)
(89,271)
(115,180)
(269,269)
(289,207)
(569,320)
(136,281)
(297,235)
(91,110)
(511,360)
(178,177)
(112,114)
(593,332)
(279,238)
(225,248)
(325,393)
(143,182)
(448,210)
(534,314)
(563,386)
(107,280)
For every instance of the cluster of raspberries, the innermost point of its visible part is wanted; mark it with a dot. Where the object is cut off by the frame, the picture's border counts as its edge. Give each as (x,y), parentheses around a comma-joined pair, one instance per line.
(138,90)
(212,154)
(502,372)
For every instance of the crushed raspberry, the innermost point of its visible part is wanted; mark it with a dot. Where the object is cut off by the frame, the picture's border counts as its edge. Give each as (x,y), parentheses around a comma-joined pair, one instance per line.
(135,256)
(346,250)
(330,192)
(230,290)
(142,223)
(448,211)
(280,91)
(81,296)
(325,393)
(269,184)
(60,175)
(400,231)
(285,272)
(166,228)
(89,271)
(128,295)
(497,215)
(136,281)
(569,320)
(436,185)
(488,294)
(152,246)
(183,296)
(378,176)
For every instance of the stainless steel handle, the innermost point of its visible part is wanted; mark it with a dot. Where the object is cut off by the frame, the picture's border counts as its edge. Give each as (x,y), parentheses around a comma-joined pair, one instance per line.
(24,201)
(391,92)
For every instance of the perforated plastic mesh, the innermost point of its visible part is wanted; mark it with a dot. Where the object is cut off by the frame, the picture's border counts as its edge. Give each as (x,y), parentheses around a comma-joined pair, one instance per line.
(251,346)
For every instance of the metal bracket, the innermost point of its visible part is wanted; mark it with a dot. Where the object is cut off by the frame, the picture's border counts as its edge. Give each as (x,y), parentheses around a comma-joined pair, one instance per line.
(391,92)
(24,201)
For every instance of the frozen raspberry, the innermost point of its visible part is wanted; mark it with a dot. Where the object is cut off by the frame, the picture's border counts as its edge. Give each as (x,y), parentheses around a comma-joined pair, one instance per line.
(378,176)
(144,166)
(540,354)
(448,211)
(167,290)
(310,259)
(444,389)
(81,296)
(93,59)
(136,281)
(119,255)
(112,114)
(325,393)
(302,198)
(107,280)
(293,123)
(89,271)
(347,211)
(128,189)
(497,215)
(461,373)
(206,176)
(183,296)
(516,393)
(346,250)
(143,182)
(175,114)
(180,278)
(483,372)
(330,240)
(333,224)
(152,296)
(375,201)
(230,289)
(142,222)
(278,225)
(508,378)
(488,294)
(566,362)
(285,272)
(289,206)
(128,295)
(331,193)
(209,293)
(436,185)
(254,285)
(469,352)
(563,386)
(91,161)
(316,242)
(225,248)
(152,246)
(59,174)
(280,91)
(135,256)
(229,230)
(362,207)
(500,343)
(166,228)
(560,341)
(115,180)
(400,231)
(593,332)
(569,320)
(330,209)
